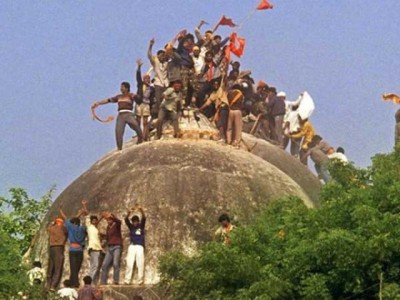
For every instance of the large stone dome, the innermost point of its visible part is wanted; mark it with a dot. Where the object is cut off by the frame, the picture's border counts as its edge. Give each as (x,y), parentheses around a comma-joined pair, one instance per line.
(184,186)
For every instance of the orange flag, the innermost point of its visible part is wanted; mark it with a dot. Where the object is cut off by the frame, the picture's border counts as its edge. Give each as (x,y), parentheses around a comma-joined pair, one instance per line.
(264,4)
(391,97)
(237,49)
(226,21)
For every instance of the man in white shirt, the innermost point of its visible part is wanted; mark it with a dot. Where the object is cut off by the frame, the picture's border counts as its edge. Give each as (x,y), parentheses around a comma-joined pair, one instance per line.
(67,292)
(95,249)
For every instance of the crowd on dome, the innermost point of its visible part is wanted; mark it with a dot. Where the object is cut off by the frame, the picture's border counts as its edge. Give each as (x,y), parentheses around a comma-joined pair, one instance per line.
(196,72)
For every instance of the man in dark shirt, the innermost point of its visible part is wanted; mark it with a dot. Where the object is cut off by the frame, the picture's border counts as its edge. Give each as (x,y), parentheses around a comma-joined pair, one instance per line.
(277,110)
(136,247)
(88,292)
(114,243)
(126,101)
(57,238)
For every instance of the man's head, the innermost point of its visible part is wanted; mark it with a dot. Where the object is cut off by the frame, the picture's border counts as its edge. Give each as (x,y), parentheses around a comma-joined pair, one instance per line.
(59,221)
(67,283)
(272,91)
(177,85)
(215,83)
(135,221)
(209,56)
(196,51)
(75,221)
(110,221)
(125,87)
(208,35)
(161,55)
(94,220)
(262,88)
(37,264)
(340,150)
(217,39)
(224,220)
(87,280)
(315,140)
(146,79)
(236,65)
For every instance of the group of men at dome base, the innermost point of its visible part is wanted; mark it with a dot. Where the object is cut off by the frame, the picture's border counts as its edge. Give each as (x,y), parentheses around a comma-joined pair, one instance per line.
(103,251)
(196,72)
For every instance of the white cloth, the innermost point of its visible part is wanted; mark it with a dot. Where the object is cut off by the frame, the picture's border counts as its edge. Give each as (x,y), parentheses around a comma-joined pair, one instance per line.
(93,236)
(160,73)
(198,64)
(68,292)
(135,254)
(339,156)
(36,273)
(306,105)
(291,117)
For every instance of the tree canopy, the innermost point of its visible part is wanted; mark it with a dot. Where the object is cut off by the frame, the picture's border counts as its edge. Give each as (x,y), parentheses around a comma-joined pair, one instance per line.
(346,249)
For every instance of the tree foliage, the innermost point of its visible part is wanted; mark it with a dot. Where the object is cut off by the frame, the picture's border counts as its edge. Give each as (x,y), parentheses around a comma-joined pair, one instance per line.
(338,251)
(20,218)
(21,215)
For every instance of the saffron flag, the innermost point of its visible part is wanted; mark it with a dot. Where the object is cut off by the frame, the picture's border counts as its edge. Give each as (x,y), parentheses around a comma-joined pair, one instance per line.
(226,21)
(391,97)
(264,4)
(237,44)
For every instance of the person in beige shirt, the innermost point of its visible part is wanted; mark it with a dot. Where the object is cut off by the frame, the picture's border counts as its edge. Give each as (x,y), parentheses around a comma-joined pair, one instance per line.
(219,97)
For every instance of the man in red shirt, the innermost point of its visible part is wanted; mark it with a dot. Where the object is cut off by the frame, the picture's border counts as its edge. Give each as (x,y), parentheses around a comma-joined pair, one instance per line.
(114,248)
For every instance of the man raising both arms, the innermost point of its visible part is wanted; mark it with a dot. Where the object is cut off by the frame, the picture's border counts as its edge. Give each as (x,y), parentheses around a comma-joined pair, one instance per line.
(126,101)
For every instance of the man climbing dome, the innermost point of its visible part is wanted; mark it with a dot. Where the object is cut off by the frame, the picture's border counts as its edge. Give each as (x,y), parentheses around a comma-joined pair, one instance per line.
(126,102)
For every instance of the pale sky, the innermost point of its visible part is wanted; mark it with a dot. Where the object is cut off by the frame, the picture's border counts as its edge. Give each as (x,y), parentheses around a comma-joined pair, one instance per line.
(58,57)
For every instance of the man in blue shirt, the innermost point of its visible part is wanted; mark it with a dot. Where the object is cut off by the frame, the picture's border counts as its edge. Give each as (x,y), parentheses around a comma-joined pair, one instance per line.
(76,237)
(136,247)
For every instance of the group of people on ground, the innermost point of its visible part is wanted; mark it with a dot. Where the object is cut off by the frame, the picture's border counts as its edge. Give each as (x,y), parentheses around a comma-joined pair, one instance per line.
(104,250)
(195,72)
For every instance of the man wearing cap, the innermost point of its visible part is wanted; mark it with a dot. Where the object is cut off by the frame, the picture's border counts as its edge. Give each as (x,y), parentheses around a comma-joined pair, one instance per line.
(57,238)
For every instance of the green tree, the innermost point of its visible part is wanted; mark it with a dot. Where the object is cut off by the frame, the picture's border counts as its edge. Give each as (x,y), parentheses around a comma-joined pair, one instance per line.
(21,215)
(20,218)
(338,251)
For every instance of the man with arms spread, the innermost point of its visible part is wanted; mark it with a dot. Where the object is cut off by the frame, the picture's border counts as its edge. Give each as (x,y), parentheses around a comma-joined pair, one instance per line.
(126,101)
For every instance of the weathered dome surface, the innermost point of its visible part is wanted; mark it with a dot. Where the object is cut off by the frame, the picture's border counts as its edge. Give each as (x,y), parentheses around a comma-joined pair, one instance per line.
(184,186)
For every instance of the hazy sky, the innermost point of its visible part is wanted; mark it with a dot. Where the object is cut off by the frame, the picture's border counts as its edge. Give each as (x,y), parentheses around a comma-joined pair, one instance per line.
(57,57)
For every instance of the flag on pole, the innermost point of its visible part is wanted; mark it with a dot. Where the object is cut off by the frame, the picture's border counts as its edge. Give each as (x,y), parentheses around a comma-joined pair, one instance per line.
(237,44)
(264,4)
(391,97)
(226,21)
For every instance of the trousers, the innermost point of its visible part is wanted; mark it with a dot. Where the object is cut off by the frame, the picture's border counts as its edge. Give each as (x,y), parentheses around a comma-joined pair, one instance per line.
(123,119)
(135,254)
